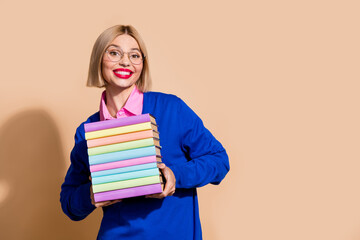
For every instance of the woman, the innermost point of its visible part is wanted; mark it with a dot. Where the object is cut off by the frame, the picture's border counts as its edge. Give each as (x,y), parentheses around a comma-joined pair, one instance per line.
(191,156)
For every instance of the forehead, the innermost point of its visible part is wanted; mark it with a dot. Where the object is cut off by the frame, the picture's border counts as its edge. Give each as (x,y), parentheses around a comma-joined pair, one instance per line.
(125,42)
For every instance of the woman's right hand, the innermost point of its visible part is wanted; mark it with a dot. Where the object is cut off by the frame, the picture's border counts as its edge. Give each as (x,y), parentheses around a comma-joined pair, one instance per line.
(101,204)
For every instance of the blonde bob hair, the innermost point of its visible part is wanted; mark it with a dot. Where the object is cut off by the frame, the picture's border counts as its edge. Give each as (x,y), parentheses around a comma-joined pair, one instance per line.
(95,77)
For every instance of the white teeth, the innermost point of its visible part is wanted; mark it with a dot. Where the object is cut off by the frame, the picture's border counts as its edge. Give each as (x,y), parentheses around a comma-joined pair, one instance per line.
(123,73)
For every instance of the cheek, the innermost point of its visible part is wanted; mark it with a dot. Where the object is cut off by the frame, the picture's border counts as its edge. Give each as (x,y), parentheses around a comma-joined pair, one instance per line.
(105,68)
(139,69)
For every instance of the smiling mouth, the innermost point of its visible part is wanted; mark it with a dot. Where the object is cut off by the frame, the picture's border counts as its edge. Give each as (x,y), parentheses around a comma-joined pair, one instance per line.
(123,74)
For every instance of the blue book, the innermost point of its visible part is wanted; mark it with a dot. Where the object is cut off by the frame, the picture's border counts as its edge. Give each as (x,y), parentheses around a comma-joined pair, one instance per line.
(124,169)
(123,155)
(126,176)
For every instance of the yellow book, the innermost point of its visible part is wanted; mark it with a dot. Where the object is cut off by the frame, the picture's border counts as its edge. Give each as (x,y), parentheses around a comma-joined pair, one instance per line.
(120,130)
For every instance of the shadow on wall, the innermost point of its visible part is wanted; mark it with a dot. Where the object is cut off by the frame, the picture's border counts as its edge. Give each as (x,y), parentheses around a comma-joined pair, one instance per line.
(31,173)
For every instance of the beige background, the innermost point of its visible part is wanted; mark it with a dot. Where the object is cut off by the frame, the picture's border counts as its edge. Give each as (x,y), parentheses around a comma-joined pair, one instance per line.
(277,82)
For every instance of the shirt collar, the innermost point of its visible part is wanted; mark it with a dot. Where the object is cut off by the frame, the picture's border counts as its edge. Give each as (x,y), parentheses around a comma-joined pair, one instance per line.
(132,107)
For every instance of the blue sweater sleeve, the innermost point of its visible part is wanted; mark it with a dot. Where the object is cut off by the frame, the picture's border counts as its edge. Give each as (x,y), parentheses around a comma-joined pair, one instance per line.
(75,191)
(207,159)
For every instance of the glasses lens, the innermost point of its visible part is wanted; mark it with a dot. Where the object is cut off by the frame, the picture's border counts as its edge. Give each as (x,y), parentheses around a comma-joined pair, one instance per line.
(113,55)
(135,57)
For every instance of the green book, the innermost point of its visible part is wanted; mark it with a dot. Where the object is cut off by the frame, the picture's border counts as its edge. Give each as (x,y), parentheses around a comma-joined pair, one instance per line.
(125,184)
(124,146)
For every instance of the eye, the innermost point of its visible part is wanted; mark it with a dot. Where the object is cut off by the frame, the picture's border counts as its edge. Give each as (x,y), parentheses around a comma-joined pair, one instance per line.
(135,55)
(114,53)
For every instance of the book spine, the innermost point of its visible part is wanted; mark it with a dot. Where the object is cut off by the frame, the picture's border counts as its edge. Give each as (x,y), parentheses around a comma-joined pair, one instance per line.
(124,169)
(125,184)
(128,192)
(126,176)
(123,163)
(119,130)
(121,146)
(113,123)
(122,155)
(121,138)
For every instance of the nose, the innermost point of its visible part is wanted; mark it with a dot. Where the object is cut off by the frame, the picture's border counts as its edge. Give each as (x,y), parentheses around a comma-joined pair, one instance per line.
(124,61)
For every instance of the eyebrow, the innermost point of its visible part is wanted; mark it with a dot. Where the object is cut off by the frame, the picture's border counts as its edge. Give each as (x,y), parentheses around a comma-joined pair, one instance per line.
(116,46)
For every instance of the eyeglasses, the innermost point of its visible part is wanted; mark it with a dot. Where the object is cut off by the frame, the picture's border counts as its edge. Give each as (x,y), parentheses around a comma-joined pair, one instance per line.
(115,55)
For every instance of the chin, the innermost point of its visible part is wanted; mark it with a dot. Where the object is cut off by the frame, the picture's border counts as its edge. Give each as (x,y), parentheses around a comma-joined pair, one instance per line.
(122,85)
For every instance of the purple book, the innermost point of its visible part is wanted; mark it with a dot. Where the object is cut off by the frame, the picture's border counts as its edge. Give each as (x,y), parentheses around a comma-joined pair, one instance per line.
(128,192)
(119,122)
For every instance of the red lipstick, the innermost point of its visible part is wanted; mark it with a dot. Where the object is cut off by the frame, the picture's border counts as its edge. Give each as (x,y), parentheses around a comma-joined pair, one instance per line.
(123,73)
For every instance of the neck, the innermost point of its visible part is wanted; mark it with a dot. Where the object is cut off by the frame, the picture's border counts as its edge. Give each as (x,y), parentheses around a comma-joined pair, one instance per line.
(116,98)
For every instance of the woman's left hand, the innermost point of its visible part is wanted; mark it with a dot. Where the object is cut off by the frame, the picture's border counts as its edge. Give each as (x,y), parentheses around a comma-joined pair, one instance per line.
(169,188)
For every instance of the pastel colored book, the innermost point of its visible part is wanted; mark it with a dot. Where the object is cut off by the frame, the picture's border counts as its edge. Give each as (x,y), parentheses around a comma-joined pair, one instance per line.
(122,138)
(126,176)
(124,146)
(104,187)
(119,122)
(123,155)
(125,163)
(128,192)
(121,130)
(124,169)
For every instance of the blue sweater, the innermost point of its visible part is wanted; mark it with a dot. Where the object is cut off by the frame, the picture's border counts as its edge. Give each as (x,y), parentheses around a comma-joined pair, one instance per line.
(188,149)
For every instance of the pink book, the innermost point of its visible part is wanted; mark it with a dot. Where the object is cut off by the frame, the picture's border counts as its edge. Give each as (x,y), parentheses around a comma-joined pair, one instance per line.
(122,138)
(125,163)
(118,122)
(128,192)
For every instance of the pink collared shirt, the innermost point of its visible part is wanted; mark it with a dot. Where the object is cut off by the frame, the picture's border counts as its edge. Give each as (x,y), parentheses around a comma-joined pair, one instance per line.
(132,107)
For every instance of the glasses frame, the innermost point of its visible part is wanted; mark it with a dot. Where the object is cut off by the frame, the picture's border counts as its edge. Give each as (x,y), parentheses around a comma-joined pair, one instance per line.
(123,54)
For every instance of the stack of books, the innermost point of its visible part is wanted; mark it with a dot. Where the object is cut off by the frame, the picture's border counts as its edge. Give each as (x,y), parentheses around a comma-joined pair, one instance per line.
(123,157)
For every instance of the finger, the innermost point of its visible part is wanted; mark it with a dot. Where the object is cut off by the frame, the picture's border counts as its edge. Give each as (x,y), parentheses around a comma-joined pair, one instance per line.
(116,201)
(161,165)
(171,192)
(168,191)
(161,195)
(107,203)
(101,204)
(157,195)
